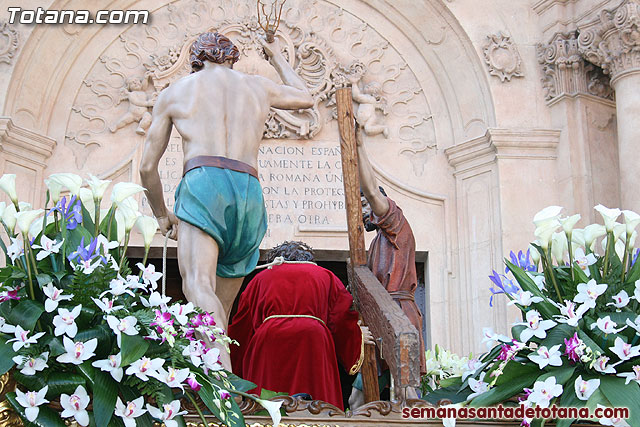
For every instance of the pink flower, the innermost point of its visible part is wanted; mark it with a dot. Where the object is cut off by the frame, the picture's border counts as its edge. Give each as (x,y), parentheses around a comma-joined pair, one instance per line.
(193,383)
(162,320)
(505,352)
(9,295)
(225,394)
(573,348)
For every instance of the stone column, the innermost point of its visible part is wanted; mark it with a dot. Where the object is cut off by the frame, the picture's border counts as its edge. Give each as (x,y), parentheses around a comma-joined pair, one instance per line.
(612,41)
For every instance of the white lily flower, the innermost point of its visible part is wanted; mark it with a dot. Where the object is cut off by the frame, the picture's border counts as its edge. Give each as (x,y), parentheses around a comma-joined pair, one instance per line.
(615,422)
(535,255)
(54,190)
(25,218)
(629,376)
(65,321)
(470,367)
(606,325)
(623,350)
(117,287)
(181,312)
(592,232)
(126,216)
(584,389)
(569,222)
(524,298)
(636,292)
(545,357)
(123,190)
(584,261)
(168,413)
(47,247)
(621,299)
(631,220)
(105,244)
(634,324)
(172,377)
(559,246)
(31,365)
(608,215)
(86,266)
(155,300)
(31,401)
(544,391)
(547,214)
(122,326)
(545,231)
(5,327)
(570,315)
(9,217)
(76,406)
(589,292)
(36,227)
(273,408)
(86,197)
(211,360)
(70,181)
(97,186)
(131,411)
(8,185)
(535,326)
(111,364)
(601,365)
(77,352)
(491,337)
(477,386)
(148,226)
(106,305)
(15,249)
(195,350)
(149,275)
(54,296)
(145,367)
(22,338)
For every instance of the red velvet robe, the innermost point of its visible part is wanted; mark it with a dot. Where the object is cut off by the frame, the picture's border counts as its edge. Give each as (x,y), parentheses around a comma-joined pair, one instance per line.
(296,354)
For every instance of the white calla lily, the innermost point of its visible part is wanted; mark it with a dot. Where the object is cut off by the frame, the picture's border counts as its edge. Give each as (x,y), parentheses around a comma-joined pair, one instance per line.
(148,226)
(54,189)
(273,408)
(97,186)
(86,197)
(544,232)
(591,233)
(124,190)
(26,218)
(8,185)
(9,217)
(631,220)
(535,255)
(549,213)
(609,216)
(569,222)
(70,181)
(559,246)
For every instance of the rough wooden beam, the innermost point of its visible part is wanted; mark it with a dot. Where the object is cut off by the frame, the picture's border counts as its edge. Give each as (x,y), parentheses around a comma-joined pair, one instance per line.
(385,318)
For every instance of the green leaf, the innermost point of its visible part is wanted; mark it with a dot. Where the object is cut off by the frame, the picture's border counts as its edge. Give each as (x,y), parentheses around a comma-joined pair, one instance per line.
(6,356)
(105,392)
(43,279)
(623,396)
(47,417)
(634,273)
(133,348)
(87,222)
(207,396)
(64,382)
(513,381)
(26,314)
(562,374)
(526,283)
(589,342)
(32,382)
(55,347)
(239,383)
(558,334)
(104,336)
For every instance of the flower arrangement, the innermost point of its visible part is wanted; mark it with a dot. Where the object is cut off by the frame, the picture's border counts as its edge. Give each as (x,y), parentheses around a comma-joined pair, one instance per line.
(578,344)
(444,368)
(86,339)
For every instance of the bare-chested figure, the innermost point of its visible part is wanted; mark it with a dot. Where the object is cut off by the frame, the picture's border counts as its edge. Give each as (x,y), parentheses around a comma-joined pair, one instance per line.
(220,114)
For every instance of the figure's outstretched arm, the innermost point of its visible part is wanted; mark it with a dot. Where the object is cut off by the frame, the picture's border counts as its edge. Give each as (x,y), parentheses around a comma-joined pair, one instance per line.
(154,147)
(294,94)
(378,202)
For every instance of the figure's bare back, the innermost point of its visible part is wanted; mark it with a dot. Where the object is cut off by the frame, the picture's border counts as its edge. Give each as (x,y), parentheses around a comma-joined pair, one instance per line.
(220,112)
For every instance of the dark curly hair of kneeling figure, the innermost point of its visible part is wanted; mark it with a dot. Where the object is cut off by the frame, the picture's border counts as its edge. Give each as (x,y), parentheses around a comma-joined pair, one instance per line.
(291,251)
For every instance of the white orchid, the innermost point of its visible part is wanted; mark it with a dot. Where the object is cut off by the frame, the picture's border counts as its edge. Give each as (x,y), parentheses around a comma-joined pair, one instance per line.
(621,299)
(636,292)
(606,325)
(76,406)
(569,314)
(609,216)
(547,357)
(105,244)
(470,367)
(623,350)
(47,247)
(145,367)
(70,181)
(631,220)
(106,305)
(538,279)
(54,296)
(524,298)
(148,226)
(131,411)
(211,360)
(149,275)
(5,327)
(172,377)
(584,261)
(111,364)
(97,186)
(634,324)
(30,364)
(491,337)
(631,376)
(589,292)
(86,266)
(117,287)
(65,321)
(8,185)
(22,338)
(15,249)
(123,190)
(544,391)
(195,350)
(25,218)
(535,326)
(122,326)
(181,312)
(155,300)
(31,401)
(478,386)
(585,388)
(601,364)
(77,352)
(615,422)
(168,413)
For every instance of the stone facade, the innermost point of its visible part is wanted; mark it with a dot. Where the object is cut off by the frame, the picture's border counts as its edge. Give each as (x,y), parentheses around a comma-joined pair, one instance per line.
(491,114)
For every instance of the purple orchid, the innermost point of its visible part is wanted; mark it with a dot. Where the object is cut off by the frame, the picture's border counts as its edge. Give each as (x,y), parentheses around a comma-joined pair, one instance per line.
(193,383)
(71,213)
(522,260)
(505,286)
(9,295)
(505,352)
(162,321)
(573,348)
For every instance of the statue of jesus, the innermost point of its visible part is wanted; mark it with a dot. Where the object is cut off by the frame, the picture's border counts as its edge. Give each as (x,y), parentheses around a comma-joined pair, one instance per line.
(220,216)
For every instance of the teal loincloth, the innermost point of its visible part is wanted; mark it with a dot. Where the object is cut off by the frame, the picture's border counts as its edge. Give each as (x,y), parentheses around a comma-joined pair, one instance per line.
(228,206)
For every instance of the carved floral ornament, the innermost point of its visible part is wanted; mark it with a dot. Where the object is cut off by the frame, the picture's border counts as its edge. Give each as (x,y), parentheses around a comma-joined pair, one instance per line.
(323,43)
(502,57)
(9,42)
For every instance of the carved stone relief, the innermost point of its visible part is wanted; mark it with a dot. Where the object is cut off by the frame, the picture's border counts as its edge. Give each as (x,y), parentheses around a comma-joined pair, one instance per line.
(9,41)
(612,41)
(565,72)
(502,57)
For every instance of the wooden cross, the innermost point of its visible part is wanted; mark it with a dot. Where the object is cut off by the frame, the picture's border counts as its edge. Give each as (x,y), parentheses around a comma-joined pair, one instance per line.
(399,345)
